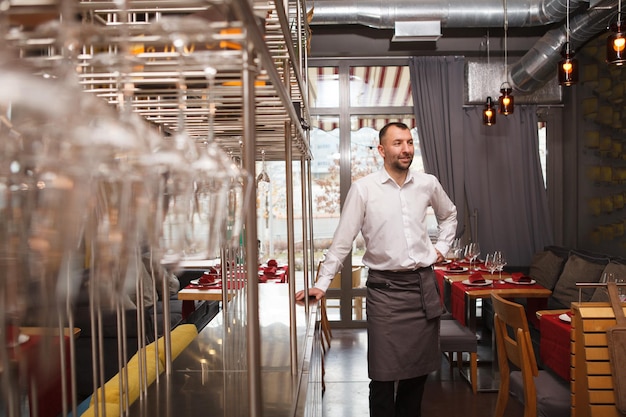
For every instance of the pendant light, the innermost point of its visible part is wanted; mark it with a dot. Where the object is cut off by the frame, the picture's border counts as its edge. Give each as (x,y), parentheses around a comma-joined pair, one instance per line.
(489,113)
(616,42)
(568,66)
(506,103)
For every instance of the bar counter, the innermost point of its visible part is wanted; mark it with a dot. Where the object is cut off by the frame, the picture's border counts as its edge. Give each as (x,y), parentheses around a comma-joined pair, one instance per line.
(210,377)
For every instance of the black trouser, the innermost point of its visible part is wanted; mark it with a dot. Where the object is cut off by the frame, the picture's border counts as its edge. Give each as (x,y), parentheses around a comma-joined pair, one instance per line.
(407,401)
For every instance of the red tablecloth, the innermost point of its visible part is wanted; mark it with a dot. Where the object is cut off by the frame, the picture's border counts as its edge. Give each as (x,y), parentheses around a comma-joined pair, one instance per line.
(554,345)
(457,299)
(440,274)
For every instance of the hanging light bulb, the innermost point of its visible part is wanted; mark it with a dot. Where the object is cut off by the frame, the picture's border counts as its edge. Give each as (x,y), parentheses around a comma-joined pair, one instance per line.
(506,101)
(489,113)
(616,44)
(568,66)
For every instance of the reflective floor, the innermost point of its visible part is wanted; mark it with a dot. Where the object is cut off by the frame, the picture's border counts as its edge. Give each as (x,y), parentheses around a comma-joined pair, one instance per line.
(446,393)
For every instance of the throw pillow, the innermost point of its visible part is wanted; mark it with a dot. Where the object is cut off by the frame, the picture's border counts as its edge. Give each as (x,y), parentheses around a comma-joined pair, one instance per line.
(576,269)
(619,270)
(545,268)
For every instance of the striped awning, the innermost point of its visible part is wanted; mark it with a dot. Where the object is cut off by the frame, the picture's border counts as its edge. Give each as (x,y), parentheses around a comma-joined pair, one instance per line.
(370,86)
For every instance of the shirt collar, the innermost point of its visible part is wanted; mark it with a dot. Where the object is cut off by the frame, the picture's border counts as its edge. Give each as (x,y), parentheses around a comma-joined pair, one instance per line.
(384,176)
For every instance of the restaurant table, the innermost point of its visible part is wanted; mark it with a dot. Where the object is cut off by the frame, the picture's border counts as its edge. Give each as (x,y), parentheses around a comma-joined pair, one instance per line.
(463,298)
(195,292)
(555,341)
(461,301)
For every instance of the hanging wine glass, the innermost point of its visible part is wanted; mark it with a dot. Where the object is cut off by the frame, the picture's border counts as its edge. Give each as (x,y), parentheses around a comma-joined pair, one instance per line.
(263,192)
(241,185)
(210,182)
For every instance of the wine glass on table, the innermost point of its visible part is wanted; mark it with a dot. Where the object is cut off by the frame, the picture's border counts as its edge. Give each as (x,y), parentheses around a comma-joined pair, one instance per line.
(472,251)
(500,262)
(491,263)
(456,250)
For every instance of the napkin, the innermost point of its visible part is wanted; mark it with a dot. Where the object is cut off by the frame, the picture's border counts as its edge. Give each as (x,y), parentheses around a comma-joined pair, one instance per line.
(207,279)
(272,263)
(209,276)
(520,277)
(476,278)
(269,271)
(455,266)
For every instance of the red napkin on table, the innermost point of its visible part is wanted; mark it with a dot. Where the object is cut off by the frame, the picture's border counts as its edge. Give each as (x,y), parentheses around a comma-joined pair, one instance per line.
(272,263)
(476,278)
(208,277)
(269,271)
(454,266)
(520,277)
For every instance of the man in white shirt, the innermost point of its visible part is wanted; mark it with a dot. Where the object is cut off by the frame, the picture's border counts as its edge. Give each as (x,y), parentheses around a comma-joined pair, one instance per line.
(403,306)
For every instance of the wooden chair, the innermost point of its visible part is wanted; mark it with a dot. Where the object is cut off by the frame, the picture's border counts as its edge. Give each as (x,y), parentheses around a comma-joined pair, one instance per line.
(356,283)
(327,333)
(456,338)
(542,393)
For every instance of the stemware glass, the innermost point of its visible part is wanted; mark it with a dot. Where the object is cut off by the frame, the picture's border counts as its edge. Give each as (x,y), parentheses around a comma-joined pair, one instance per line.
(500,262)
(491,262)
(472,251)
(455,250)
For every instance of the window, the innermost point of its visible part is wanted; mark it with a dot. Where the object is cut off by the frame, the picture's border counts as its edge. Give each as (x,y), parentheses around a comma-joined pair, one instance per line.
(349,105)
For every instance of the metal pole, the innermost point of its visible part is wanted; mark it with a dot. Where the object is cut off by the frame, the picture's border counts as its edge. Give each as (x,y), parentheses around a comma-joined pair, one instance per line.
(252,287)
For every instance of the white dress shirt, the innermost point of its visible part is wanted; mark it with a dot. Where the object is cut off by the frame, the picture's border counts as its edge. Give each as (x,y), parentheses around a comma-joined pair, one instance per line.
(392,220)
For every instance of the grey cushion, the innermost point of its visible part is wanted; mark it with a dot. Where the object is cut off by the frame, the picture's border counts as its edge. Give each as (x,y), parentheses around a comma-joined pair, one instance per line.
(600,294)
(576,269)
(553,394)
(545,268)
(454,337)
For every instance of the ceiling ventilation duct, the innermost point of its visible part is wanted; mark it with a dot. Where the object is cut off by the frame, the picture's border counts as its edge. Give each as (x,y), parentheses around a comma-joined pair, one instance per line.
(417,31)
(383,14)
(539,64)
(528,74)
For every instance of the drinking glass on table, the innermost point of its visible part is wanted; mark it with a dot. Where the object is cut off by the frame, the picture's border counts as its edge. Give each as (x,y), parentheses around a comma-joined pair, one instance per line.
(621,288)
(490,263)
(456,250)
(500,262)
(607,277)
(472,251)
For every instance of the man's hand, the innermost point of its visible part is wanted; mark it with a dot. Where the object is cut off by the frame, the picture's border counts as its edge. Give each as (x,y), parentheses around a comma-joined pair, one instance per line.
(313,293)
(440,257)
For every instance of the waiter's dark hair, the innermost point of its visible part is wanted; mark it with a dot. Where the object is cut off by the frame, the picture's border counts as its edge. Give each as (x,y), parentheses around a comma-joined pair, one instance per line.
(383,131)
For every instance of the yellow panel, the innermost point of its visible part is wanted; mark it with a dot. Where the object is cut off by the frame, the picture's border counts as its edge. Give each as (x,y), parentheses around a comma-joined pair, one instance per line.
(602,397)
(597,354)
(599,368)
(600,382)
(604,411)
(595,339)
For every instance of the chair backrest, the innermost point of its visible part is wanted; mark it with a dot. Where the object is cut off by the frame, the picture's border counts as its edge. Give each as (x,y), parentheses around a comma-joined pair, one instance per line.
(514,345)
(356,278)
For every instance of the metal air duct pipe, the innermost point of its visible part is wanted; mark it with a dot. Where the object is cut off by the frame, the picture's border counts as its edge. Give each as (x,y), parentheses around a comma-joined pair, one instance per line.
(383,14)
(539,64)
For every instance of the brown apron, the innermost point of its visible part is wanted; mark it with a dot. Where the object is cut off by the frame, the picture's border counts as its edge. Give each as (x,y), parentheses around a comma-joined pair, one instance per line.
(402,342)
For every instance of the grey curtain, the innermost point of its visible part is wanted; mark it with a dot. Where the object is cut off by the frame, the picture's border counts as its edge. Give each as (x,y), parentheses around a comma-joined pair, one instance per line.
(437,87)
(491,171)
(504,184)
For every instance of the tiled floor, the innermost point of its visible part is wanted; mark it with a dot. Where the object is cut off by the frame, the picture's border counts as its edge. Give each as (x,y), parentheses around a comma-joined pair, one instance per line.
(447,394)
